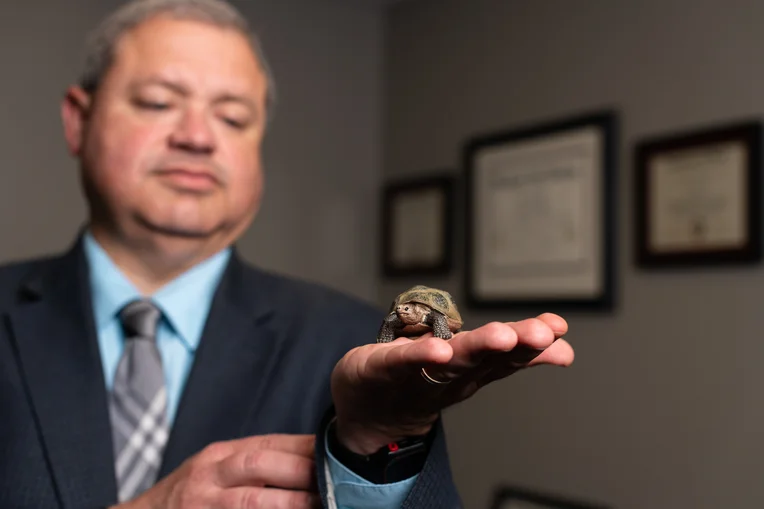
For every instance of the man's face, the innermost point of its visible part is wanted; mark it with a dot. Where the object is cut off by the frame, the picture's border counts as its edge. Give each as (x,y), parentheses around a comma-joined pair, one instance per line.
(171,140)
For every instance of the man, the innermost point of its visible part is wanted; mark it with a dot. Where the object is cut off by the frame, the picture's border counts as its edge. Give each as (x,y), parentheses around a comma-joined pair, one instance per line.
(150,367)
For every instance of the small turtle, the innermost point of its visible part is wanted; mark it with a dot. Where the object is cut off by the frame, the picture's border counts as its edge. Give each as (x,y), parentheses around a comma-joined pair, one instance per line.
(418,310)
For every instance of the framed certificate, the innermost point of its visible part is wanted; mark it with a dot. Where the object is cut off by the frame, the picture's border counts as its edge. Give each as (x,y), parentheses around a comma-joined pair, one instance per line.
(511,497)
(540,215)
(417,217)
(698,197)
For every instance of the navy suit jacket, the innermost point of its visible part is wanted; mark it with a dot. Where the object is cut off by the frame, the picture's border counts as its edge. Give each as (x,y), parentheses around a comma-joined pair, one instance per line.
(263,366)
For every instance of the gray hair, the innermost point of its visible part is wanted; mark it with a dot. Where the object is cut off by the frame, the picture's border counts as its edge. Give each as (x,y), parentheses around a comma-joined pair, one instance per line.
(99,49)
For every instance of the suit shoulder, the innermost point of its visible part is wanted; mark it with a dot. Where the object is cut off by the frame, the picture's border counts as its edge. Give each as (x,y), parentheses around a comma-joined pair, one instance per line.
(309,297)
(315,305)
(14,273)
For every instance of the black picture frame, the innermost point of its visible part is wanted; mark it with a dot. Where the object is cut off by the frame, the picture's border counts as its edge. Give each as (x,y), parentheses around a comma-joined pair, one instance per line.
(505,495)
(604,122)
(437,184)
(712,140)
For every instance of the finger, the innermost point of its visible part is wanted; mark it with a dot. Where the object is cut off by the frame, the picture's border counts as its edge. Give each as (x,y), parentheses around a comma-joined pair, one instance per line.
(272,498)
(398,359)
(471,347)
(559,354)
(302,445)
(263,467)
(534,333)
(504,346)
(555,322)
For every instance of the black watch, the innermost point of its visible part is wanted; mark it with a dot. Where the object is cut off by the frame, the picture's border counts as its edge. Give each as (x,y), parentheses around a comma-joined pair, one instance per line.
(394,462)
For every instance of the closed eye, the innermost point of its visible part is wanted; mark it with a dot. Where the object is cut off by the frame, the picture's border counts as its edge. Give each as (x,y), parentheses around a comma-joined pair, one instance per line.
(149,105)
(237,124)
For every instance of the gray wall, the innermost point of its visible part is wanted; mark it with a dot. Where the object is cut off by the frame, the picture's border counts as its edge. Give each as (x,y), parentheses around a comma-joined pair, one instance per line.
(664,406)
(322,156)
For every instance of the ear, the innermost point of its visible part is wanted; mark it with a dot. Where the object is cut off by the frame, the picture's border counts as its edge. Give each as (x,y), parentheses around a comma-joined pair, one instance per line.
(75,109)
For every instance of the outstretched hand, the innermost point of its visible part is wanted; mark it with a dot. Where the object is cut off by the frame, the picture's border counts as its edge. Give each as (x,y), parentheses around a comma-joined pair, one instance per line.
(381,395)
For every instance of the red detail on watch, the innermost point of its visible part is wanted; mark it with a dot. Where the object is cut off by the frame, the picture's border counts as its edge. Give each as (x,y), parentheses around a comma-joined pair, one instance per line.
(392,446)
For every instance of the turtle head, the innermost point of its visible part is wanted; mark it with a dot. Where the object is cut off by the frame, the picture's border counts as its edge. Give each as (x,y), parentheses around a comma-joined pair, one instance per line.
(411,313)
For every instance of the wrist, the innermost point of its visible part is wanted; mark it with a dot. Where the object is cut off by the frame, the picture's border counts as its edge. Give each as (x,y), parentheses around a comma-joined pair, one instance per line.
(395,461)
(365,440)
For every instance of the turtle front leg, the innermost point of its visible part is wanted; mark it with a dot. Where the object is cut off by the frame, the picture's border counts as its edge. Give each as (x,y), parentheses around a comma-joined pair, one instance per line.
(390,325)
(439,325)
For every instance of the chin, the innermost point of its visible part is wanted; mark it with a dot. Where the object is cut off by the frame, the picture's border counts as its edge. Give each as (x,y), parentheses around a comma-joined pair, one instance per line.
(179,229)
(179,218)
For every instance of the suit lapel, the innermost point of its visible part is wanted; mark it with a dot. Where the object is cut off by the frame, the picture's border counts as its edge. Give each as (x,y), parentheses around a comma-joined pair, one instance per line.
(232,366)
(53,330)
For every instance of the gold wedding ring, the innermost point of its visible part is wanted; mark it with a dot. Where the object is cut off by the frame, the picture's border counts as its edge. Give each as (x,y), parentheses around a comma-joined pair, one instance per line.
(432,380)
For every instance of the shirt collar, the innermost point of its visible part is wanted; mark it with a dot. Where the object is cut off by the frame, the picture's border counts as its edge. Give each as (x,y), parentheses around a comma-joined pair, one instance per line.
(184,301)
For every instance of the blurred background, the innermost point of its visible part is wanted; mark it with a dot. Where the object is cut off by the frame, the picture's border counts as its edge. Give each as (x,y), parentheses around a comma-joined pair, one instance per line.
(663,407)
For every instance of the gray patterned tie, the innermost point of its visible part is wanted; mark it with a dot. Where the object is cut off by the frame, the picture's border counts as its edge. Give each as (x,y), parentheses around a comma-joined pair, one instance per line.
(138,402)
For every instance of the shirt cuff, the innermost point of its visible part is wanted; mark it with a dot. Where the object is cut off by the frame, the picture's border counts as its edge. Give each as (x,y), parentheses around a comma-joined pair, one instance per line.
(352,491)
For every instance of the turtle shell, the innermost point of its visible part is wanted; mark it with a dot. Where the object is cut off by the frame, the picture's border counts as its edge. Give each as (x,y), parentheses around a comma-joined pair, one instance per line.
(439,300)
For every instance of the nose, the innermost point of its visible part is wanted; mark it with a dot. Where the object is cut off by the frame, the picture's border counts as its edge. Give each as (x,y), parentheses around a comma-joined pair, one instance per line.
(193,133)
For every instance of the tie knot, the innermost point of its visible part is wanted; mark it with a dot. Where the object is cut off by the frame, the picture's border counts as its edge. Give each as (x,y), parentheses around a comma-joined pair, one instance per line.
(139,319)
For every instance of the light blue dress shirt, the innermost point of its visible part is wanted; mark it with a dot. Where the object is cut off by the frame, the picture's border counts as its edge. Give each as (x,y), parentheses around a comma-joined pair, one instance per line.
(185,304)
